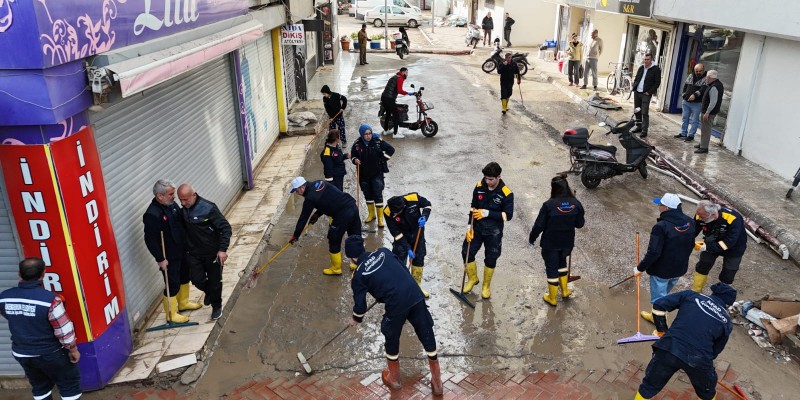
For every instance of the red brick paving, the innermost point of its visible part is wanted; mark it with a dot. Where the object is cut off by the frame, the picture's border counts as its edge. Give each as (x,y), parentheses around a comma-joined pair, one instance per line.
(576,385)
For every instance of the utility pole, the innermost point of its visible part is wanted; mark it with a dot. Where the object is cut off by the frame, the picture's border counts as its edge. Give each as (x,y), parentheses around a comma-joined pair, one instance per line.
(386,24)
(433,16)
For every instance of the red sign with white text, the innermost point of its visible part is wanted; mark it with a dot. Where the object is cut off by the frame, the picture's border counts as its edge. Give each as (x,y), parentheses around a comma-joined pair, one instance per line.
(80,178)
(35,204)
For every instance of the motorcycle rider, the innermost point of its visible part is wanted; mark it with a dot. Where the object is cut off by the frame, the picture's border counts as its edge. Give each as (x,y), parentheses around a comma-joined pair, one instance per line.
(508,69)
(405,37)
(405,217)
(394,87)
(370,155)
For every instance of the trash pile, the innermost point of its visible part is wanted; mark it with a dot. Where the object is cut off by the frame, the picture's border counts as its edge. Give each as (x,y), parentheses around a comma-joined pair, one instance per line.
(770,322)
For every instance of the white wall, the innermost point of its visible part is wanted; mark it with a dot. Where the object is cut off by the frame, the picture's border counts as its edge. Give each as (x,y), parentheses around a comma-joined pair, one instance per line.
(771,138)
(302,9)
(498,15)
(533,21)
(612,29)
(771,17)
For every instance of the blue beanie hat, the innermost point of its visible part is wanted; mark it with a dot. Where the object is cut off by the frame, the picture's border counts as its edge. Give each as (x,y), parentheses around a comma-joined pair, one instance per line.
(363,129)
(725,292)
(354,246)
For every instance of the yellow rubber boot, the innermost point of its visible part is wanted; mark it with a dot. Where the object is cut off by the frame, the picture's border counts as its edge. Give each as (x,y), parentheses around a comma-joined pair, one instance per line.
(551,297)
(640,397)
(171,309)
(353,266)
(472,277)
(416,272)
(504,103)
(487,281)
(647,316)
(183,299)
(699,282)
(379,211)
(563,281)
(336,265)
(370,213)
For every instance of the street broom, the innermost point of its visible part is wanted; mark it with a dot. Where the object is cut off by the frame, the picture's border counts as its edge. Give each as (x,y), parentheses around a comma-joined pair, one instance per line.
(638,337)
(460,293)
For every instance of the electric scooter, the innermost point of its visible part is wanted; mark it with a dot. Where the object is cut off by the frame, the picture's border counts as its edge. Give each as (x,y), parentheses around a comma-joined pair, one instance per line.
(424,123)
(596,162)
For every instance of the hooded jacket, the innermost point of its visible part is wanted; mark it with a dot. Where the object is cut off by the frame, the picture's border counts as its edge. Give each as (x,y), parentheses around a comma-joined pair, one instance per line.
(671,244)
(373,154)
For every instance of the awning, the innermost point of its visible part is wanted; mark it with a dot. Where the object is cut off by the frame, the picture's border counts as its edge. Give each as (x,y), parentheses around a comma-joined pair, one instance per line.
(144,72)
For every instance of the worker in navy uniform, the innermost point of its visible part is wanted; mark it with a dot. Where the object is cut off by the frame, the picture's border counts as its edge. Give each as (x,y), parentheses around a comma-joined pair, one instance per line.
(557,220)
(405,216)
(208,235)
(163,219)
(492,205)
(696,337)
(42,334)
(370,154)
(723,235)
(326,199)
(332,158)
(669,249)
(383,276)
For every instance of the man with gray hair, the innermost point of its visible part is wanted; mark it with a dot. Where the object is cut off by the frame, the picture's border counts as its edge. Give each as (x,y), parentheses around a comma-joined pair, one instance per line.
(723,235)
(165,239)
(711,104)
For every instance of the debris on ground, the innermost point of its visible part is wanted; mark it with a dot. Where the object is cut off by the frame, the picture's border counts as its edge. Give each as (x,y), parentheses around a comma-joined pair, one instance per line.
(769,322)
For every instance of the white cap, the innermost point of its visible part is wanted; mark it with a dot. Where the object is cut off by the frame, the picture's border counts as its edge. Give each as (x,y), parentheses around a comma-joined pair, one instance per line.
(669,200)
(297,182)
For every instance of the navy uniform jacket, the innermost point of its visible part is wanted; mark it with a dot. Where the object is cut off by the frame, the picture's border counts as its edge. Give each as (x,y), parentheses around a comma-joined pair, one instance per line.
(327,199)
(160,218)
(404,227)
(373,156)
(725,235)
(699,332)
(207,230)
(558,219)
(499,202)
(671,244)
(382,275)
(332,162)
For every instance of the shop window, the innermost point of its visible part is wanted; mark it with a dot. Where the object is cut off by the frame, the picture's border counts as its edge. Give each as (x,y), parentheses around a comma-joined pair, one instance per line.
(720,50)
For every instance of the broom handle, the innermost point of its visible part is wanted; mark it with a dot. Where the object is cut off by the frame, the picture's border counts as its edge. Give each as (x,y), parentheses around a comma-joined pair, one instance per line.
(638,307)
(416,242)
(731,390)
(166,280)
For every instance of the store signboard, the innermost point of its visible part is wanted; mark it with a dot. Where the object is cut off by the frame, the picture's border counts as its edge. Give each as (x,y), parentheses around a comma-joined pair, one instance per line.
(642,8)
(293,35)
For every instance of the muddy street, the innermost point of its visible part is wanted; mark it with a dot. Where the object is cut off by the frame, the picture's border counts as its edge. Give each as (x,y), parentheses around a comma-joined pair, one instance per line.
(296,308)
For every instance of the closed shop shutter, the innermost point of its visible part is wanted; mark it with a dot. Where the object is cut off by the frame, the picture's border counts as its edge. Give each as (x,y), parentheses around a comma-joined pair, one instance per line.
(258,75)
(184,130)
(288,74)
(9,260)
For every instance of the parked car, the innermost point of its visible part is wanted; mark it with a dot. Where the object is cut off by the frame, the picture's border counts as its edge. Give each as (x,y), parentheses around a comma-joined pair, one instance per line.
(366,5)
(396,16)
(351,8)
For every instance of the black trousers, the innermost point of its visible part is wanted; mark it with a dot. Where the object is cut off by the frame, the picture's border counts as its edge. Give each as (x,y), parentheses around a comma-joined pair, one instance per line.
(338,181)
(402,251)
(419,317)
(346,222)
(492,238)
(53,369)
(555,262)
(206,273)
(372,188)
(178,272)
(390,106)
(642,101)
(730,266)
(663,365)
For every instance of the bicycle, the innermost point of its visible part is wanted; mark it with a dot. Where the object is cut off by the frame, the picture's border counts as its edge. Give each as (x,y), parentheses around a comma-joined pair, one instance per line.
(620,81)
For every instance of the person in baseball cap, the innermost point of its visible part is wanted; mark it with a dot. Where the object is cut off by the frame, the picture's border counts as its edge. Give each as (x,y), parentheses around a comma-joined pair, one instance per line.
(298,183)
(671,244)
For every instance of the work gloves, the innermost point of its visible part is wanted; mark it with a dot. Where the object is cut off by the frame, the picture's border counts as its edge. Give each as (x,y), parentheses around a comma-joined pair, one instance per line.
(470,234)
(661,324)
(699,246)
(313,220)
(410,93)
(479,214)
(411,254)
(421,221)
(636,271)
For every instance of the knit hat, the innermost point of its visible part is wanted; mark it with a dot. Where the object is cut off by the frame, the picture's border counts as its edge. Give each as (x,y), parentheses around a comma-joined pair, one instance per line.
(354,246)
(363,129)
(725,292)
(396,204)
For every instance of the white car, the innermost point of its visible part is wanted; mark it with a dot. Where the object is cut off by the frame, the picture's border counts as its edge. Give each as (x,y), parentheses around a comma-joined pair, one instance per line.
(395,16)
(362,6)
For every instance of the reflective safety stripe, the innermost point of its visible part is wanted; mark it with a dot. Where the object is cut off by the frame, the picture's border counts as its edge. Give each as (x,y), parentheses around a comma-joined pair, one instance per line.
(505,217)
(379,205)
(563,270)
(393,357)
(659,312)
(77,396)
(370,201)
(358,315)
(398,237)
(26,301)
(723,245)
(329,179)
(43,396)
(386,155)
(431,353)
(552,280)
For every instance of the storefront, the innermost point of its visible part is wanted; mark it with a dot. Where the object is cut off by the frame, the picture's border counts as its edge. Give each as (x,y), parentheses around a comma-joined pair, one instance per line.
(648,36)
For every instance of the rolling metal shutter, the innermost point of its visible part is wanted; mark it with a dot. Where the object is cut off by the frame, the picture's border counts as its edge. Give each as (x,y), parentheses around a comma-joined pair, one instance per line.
(183,130)
(9,260)
(258,73)
(288,74)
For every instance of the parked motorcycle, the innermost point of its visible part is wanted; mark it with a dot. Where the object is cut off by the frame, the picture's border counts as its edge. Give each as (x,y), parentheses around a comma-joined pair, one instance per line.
(473,36)
(400,45)
(596,162)
(424,123)
(496,57)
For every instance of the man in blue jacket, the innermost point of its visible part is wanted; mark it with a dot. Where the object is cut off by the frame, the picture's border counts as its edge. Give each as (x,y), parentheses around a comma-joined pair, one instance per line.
(691,344)
(671,243)
(723,235)
(382,275)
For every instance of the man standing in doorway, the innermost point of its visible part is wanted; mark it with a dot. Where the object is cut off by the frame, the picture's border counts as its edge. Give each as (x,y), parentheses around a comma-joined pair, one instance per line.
(508,70)
(208,235)
(693,88)
(487,24)
(507,23)
(646,83)
(362,45)
(711,103)
(594,52)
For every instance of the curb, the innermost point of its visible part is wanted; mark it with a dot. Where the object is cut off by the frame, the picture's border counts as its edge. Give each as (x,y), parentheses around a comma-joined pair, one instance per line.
(421,51)
(768,224)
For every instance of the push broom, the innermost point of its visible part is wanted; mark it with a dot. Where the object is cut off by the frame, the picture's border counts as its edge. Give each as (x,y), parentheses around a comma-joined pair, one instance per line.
(638,337)
(460,293)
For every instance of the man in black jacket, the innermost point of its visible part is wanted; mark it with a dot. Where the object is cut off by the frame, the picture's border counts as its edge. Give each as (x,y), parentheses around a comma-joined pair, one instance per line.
(507,23)
(165,239)
(645,85)
(334,103)
(508,70)
(711,104)
(208,235)
(487,24)
(693,88)
(671,243)
(406,216)
(394,88)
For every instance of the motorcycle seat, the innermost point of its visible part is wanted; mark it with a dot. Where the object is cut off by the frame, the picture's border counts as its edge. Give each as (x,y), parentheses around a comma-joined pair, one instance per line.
(610,149)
